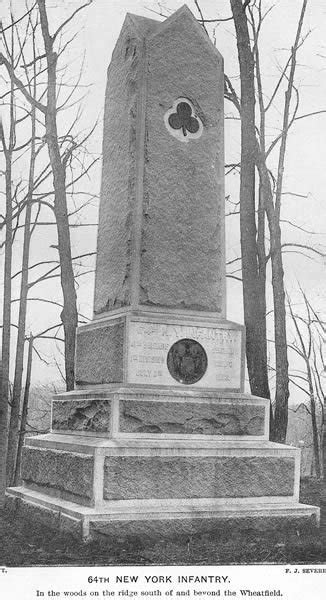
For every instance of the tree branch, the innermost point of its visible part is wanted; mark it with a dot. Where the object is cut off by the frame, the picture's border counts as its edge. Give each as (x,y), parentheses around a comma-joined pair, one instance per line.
(70,19)
(19,84)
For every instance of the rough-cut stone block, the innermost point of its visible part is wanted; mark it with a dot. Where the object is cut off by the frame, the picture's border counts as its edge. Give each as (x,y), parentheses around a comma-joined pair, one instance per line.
(58,470)
(99,354)
(81,415)
(216,528)
(203,477)
(112,278)
(189,417)
(182,261)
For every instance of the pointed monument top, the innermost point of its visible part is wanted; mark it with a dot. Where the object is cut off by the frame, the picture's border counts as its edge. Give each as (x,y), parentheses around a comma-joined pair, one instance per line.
(195,28)
(151,27)
(143,25)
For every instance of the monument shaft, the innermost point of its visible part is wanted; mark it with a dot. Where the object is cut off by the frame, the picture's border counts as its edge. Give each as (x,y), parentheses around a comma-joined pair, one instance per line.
(161,225)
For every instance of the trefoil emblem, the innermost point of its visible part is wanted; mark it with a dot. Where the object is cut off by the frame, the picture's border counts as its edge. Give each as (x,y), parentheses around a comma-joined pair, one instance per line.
(182,121)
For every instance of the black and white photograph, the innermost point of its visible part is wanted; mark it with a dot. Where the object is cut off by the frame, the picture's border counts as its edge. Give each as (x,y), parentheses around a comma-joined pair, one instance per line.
(163,299)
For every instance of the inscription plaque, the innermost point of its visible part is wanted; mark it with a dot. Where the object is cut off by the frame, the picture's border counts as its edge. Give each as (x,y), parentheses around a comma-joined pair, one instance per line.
(187,361)
(150,344)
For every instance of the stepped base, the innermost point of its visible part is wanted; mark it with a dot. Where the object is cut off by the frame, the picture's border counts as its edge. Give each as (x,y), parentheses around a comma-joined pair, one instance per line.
(91,471)
(125,487)
(150,518)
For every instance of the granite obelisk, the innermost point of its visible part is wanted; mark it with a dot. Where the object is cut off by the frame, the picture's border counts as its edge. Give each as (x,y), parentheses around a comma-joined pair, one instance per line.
(159,437)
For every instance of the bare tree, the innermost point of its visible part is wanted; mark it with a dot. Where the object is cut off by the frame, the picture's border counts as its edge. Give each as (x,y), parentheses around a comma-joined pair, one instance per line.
(309,346)
(59,161)
(8,147)
(270,191)
(63,151)
(252,242)
(69,314)
(28,201)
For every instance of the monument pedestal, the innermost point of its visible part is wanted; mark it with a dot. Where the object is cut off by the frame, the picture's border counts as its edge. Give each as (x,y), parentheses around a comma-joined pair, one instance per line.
(159,437)
(131,347)
(132,460)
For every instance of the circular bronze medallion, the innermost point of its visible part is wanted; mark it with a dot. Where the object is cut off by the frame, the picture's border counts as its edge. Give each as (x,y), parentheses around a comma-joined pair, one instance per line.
(187,361)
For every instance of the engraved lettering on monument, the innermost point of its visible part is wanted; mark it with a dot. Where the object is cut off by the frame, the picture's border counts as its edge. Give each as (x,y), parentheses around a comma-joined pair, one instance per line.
(151,343)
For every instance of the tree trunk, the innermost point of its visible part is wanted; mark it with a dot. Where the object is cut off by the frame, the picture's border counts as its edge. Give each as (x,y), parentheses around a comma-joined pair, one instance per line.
(20,346)
(5,363)
(6,324)
(69,315)
(322,448)
(281,358)
(314,424)
(24,412)
(315,438)
(281,353)
(253,273)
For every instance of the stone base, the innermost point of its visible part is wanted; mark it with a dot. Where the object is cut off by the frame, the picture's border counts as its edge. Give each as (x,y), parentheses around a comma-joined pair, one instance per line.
(92,486)
(154,520)
(131,411)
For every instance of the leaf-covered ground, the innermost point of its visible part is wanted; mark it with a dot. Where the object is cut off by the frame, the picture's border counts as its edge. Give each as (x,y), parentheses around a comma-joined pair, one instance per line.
(24,545)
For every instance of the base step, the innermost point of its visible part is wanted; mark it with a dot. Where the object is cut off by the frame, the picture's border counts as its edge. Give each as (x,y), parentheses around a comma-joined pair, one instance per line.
(169,517)
(89,470)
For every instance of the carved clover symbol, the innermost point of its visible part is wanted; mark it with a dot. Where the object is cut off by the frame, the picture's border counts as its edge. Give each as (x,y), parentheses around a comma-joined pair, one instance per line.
(182,119)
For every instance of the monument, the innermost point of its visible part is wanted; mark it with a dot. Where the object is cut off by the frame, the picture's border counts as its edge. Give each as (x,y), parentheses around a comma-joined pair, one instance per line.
(159,435)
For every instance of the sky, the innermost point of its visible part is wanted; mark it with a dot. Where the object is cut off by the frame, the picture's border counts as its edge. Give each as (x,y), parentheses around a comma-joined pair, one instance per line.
(305,174)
